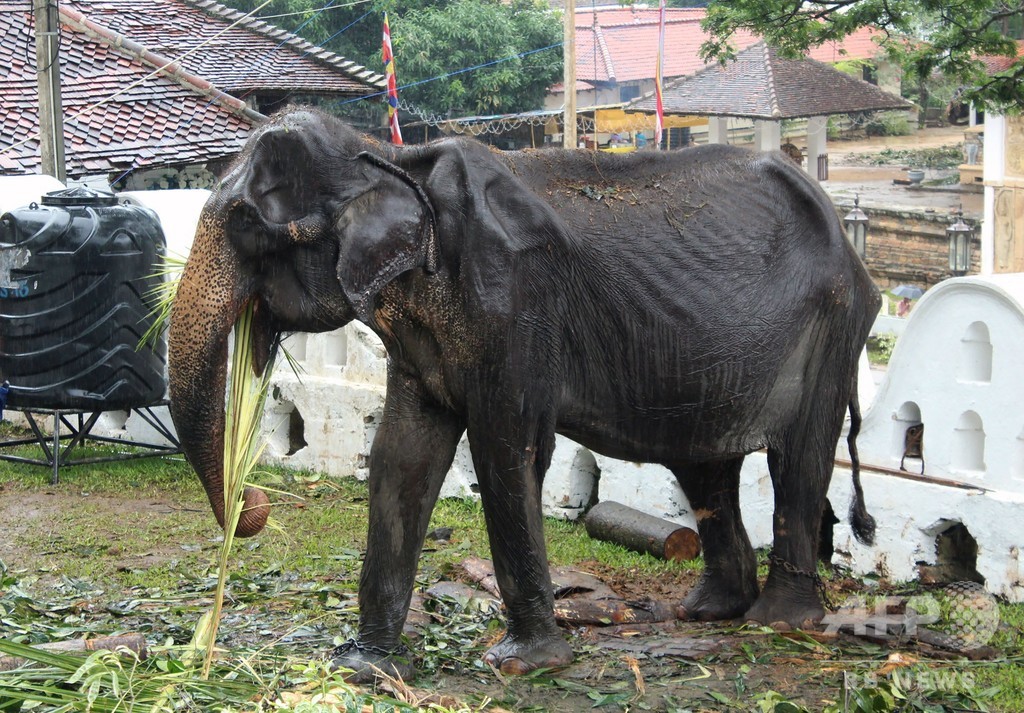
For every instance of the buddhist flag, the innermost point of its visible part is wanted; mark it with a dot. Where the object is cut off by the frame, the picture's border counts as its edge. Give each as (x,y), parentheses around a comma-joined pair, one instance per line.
(659,118)
(389,73)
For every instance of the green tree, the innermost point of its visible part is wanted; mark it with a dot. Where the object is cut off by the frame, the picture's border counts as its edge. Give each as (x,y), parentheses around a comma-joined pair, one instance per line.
(924,36)
(439,38)
(445,46)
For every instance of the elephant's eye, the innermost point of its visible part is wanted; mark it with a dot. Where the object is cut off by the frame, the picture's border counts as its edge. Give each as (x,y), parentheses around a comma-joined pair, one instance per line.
(247,232)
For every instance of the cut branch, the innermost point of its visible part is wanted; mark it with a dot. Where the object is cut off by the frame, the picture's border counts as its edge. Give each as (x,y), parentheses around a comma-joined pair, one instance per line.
(133,642)
(640,532)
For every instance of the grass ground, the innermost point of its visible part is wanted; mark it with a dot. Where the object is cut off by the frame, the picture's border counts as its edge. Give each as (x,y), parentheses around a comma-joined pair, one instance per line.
(132,547)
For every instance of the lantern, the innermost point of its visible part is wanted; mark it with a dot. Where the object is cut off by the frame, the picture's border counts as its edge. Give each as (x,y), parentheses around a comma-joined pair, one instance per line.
(959,234)
(856,224)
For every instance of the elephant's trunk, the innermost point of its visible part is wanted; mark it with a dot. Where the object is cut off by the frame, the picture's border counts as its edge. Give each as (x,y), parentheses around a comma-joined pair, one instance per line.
(210,296)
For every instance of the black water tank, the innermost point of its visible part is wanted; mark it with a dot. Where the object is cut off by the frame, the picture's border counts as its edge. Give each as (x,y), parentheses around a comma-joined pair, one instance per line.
(75,280)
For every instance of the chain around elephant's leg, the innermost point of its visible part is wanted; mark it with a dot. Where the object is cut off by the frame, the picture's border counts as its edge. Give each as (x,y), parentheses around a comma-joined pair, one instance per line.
(792,592)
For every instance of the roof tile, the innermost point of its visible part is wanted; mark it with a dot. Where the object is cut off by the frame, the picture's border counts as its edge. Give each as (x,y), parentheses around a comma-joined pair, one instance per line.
(761,84)
(621,44)
(120,114)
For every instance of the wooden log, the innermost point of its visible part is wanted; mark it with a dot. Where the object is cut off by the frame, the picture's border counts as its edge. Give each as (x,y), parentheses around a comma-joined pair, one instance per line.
(482,572)
(635,530)
(133,642)
(612,611)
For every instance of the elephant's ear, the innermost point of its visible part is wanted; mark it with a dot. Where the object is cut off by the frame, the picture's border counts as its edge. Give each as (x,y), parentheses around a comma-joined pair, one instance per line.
(385,231)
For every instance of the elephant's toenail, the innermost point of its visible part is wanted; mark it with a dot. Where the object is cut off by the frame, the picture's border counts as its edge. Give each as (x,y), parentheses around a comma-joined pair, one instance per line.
(515,667)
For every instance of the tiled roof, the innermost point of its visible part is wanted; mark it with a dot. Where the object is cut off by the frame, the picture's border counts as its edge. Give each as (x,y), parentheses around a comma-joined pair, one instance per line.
(995,63)
(235,53)
(172,118)
(761,84)
(621,44)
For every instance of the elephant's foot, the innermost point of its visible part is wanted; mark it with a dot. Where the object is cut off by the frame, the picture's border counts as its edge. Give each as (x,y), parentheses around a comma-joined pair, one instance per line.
(714,599)
(368,663)
(519,657)
(789,598)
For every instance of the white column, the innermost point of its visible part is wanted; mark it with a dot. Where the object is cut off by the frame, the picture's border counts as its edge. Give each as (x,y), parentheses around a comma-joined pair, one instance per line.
(767,135)
(972,115)
(817,137)
(994,172)
(718,129)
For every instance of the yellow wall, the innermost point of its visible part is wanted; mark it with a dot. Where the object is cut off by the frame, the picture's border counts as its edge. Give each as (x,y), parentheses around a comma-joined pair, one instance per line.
(1008,231)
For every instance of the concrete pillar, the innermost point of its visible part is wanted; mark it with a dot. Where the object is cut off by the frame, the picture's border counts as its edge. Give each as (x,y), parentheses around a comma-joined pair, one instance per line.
(718,129)
(817,138)
(767,135)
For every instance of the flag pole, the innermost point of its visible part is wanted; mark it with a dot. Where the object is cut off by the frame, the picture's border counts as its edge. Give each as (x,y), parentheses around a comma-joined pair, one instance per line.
(659,119)
(569,75)
(392,82)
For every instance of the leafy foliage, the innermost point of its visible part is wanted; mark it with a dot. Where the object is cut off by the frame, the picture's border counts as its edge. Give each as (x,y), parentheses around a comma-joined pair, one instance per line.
(441,43)
(437,40)
(923,36)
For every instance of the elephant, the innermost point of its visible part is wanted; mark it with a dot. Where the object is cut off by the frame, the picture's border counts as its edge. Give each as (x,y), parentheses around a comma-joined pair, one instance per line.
(684,308)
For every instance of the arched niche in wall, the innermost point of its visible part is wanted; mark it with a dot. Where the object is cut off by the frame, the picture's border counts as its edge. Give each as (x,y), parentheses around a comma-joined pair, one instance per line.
(288,430)
(969,443)
(905,419)
(336,348)
(295,345)
(975,359)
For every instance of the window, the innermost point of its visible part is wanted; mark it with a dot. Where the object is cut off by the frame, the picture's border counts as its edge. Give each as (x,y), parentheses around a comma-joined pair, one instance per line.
(907,437)
(969,443)
(336,348)
(628,92)
(975,360)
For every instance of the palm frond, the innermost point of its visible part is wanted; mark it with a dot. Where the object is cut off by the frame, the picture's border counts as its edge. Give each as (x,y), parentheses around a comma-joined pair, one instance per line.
(166,274)
(242,450)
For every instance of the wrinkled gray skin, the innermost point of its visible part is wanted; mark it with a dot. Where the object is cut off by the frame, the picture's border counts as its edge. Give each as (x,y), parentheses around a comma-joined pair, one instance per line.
(682,308)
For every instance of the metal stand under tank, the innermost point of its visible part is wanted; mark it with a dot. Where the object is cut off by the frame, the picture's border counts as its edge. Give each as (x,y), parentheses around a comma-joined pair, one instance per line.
(77,275)
(79,425)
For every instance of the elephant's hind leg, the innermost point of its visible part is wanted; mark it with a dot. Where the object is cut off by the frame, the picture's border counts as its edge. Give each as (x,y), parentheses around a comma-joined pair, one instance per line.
(801,470)
(728,585)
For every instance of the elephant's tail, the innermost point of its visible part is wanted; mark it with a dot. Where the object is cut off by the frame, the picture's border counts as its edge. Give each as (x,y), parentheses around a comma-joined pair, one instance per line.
(860,519)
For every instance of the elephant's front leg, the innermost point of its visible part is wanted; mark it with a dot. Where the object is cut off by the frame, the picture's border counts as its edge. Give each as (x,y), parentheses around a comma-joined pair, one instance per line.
(411,453)
(510,452)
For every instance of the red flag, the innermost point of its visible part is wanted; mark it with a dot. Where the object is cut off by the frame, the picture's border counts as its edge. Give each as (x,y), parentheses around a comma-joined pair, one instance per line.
(389,73)
(659,118)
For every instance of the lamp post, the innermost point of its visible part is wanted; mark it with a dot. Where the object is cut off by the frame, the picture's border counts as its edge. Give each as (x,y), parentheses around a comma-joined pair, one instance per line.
(856,224)
(959,234)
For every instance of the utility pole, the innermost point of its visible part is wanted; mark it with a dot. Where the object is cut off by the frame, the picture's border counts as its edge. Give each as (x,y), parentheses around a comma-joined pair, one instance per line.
(569,75)
(51,120)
